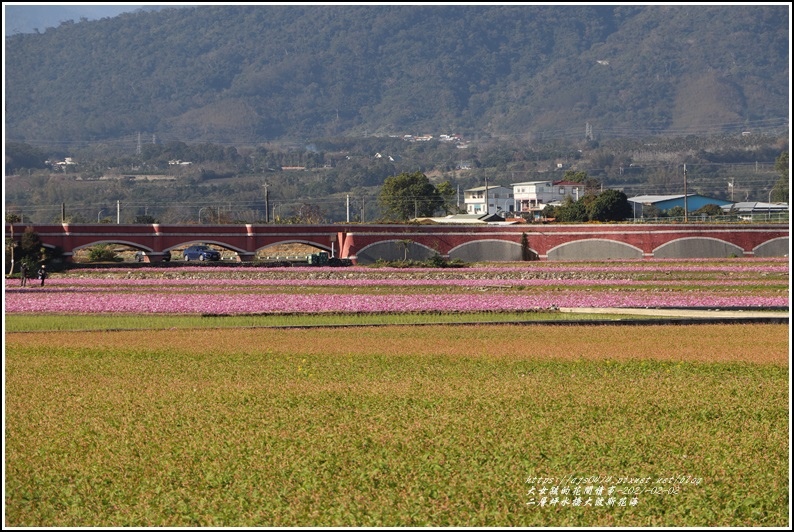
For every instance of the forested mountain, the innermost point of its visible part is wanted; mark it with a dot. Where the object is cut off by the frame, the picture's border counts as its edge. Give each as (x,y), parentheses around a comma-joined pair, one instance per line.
(248,74)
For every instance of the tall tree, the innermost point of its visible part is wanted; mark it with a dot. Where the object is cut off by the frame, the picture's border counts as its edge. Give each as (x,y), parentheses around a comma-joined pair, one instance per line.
(448,193)
(780,191)
(591,184)
(309,213)
(609,206)
(409,195)
(30,249)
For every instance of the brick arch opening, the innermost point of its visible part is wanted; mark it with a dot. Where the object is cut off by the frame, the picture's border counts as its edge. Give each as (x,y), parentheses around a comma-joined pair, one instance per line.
(777,247)
(218,243)
(697,247)
(394,250)
(228,251)
(488,250)
(110,241)
(594,249)
(291,248)
(76,254)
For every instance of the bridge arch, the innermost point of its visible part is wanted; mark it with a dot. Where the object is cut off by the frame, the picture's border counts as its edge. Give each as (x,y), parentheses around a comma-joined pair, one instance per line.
(697,247)
(777,247)
(394,250)
(134,245)
(309,243)
(488,250)
(594,249)
(219,243)
(276,251)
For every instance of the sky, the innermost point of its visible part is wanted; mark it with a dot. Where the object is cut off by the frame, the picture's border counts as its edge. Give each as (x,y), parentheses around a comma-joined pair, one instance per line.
(27,17)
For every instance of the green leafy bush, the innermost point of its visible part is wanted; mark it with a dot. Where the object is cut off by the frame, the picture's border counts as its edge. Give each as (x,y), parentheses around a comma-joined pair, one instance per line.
(102,253)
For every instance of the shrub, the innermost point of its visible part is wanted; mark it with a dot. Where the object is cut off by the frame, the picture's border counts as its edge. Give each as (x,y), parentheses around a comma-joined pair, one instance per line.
(102,253)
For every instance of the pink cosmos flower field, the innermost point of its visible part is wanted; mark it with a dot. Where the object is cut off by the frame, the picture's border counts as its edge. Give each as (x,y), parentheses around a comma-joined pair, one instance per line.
(251,290)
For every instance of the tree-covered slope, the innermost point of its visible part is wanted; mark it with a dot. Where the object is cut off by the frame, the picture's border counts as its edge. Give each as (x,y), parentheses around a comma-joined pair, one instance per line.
(245,74)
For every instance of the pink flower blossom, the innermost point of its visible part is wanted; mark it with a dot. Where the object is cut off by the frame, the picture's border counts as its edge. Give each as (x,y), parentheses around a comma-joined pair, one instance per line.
(247,290)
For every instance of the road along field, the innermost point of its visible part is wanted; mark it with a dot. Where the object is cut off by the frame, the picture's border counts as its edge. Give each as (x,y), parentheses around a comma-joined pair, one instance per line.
(467,425)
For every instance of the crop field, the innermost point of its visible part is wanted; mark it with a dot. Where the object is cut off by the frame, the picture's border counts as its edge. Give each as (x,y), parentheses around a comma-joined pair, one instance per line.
(204,396)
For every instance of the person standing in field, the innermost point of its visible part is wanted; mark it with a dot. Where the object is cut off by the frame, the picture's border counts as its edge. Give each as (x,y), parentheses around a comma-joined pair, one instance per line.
(42,274)
(23,273)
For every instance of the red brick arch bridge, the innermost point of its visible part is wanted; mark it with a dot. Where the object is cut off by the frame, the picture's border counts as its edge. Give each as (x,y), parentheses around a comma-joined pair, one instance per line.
(366,243)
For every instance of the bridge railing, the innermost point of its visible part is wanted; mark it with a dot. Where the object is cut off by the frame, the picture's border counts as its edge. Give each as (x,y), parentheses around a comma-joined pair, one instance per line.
(757,217)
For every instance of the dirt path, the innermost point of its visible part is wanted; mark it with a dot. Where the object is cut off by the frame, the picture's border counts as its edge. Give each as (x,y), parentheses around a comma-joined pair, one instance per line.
(681,313)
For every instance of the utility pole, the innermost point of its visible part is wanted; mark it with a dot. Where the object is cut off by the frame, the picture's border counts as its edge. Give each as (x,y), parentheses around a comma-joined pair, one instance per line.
(11,270)
(487,210)
(267,205)
(347,207)
(686,210)
(769,206)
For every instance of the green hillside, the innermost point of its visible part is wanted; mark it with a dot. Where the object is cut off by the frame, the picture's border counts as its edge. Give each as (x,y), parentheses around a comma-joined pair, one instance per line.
(251,74)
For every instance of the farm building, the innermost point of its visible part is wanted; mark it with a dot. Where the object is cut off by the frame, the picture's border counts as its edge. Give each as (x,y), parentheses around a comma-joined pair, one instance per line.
(750,210)
(665,203)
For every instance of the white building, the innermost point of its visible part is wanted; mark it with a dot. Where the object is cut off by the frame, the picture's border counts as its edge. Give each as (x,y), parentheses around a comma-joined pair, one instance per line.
(533,196)
(500,199)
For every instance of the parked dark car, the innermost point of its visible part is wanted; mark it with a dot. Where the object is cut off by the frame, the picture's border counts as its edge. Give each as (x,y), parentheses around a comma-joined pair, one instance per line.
(202,253)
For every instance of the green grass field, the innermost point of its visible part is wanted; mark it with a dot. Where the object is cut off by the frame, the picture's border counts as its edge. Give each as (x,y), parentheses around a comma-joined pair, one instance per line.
(110,322)
(397,426)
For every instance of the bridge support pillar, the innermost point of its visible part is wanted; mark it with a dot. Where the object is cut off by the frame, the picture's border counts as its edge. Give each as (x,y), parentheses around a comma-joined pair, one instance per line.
(246,256)
(68,256)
